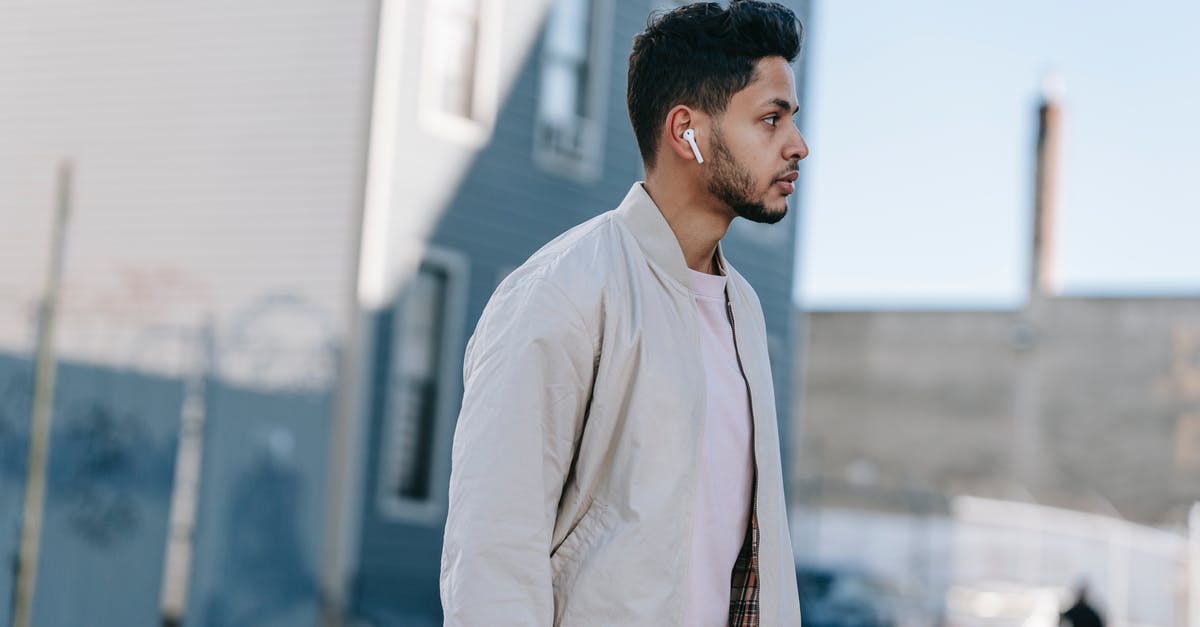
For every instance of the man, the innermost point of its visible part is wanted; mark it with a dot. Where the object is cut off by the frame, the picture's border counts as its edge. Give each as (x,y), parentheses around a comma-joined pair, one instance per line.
(616,461)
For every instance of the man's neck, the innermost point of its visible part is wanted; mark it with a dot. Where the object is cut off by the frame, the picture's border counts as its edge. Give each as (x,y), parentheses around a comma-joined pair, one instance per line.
(698,224)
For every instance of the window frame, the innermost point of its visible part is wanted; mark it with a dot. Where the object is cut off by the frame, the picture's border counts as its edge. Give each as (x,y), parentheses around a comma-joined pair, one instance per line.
(475,129)
(430,511)
(589,166)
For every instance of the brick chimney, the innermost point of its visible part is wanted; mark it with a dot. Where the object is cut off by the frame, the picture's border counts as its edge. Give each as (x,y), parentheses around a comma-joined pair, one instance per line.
(1042,279)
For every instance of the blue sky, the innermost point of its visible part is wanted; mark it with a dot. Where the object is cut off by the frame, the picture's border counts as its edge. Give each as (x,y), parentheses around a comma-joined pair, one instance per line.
(921,122)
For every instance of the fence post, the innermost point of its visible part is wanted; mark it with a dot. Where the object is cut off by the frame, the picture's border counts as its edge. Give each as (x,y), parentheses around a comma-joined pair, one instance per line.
(185,489)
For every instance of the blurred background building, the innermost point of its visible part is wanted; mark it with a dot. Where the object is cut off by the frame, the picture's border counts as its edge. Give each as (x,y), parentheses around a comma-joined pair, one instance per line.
(1081,402)
(281,225)
(979,442)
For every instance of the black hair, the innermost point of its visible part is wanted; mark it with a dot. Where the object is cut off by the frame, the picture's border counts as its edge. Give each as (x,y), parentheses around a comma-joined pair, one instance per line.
(700,55)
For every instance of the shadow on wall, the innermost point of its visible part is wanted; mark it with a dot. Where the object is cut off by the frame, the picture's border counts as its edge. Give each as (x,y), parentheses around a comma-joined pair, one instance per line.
(112,464)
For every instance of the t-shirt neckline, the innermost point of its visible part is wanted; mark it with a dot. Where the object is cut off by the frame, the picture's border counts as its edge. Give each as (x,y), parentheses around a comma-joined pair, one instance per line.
(708,285)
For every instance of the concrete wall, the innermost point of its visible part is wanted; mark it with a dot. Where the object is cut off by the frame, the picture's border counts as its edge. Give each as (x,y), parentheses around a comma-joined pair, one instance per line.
(1073,401)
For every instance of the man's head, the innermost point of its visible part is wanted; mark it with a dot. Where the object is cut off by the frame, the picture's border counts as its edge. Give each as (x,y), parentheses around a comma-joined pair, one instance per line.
(725,74)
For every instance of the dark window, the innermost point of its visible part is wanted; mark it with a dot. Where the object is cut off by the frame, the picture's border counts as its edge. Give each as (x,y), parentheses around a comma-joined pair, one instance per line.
(415,355)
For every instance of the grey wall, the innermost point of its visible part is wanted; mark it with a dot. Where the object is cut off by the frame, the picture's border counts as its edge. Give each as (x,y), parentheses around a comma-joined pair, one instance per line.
(1101,408)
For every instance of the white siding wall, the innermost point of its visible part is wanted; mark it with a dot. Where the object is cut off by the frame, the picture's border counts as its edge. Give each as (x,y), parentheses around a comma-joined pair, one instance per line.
(218,150)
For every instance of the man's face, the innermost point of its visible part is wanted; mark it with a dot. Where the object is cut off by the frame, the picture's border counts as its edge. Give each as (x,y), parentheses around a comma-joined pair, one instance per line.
(756,147)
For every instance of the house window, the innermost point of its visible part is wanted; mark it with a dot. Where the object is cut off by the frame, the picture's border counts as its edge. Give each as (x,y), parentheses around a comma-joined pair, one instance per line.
(418,361)
(455,33)
(460,67)
(569,132)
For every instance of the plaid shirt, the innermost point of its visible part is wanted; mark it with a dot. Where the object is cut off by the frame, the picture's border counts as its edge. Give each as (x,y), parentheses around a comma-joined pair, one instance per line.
(743,585)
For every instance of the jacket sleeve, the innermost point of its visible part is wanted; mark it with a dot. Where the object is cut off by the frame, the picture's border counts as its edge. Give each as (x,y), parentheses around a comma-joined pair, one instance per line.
(527,377)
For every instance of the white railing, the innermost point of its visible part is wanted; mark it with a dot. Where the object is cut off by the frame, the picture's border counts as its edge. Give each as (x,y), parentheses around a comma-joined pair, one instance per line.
(996,562)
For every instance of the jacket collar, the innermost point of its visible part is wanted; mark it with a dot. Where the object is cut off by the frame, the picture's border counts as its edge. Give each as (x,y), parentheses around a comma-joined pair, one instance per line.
(655,236)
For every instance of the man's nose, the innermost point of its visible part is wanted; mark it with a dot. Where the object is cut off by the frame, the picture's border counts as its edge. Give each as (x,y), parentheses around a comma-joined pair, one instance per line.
(797,149)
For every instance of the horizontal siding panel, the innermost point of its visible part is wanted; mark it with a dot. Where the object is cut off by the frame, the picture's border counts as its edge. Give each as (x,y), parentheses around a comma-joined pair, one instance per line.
(219,141)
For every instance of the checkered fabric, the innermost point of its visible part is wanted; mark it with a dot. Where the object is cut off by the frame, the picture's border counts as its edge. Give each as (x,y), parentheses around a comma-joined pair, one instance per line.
(743,586)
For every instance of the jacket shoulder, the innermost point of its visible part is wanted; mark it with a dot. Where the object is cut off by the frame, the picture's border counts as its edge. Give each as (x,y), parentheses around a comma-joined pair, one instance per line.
(577,262)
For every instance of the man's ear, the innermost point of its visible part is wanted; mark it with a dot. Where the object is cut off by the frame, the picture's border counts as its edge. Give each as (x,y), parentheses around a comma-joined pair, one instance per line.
(679,119)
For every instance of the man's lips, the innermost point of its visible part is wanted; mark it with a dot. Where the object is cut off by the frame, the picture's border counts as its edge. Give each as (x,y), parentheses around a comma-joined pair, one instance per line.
(787,182)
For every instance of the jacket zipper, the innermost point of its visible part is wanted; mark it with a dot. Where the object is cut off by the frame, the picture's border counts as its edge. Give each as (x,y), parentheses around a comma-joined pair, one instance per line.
(753,436)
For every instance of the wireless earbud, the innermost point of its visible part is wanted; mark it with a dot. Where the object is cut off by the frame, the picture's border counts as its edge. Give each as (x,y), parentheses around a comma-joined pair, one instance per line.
(690,136)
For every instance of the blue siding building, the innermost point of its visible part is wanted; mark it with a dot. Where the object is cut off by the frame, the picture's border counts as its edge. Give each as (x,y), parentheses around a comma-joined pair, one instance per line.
(560,151)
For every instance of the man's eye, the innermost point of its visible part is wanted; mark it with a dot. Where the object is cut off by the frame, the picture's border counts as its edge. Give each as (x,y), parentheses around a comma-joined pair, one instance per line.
(771,119)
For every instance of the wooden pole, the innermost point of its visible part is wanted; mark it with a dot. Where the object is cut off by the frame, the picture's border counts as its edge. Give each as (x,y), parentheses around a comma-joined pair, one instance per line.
(43,402)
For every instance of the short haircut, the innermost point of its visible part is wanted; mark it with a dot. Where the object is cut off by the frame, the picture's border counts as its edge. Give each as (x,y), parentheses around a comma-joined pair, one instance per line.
(700,55)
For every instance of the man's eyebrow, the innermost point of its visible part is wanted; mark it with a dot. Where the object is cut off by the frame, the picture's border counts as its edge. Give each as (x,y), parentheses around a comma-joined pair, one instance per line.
(785,105)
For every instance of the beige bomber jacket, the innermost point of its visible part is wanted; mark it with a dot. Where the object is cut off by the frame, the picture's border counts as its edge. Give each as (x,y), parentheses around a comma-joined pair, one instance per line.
(573,470)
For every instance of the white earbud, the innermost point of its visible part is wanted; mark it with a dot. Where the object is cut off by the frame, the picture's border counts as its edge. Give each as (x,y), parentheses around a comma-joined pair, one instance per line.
(690,136)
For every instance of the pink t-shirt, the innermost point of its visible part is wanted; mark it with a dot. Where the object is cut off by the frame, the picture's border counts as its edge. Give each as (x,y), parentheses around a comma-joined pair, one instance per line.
(726,461)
